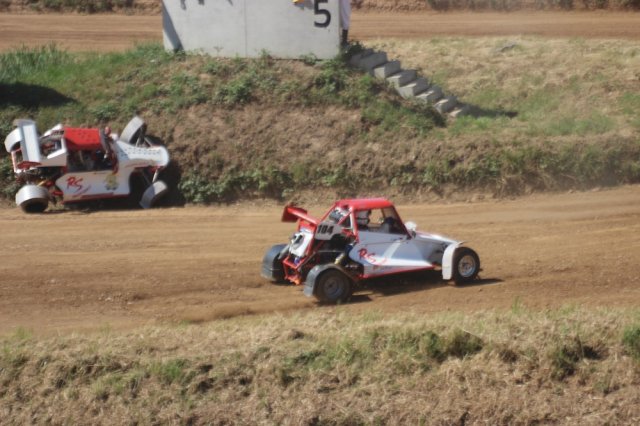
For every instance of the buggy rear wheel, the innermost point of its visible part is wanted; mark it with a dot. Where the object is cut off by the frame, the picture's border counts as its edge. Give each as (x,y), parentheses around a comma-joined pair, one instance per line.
(333,286)
(33,199)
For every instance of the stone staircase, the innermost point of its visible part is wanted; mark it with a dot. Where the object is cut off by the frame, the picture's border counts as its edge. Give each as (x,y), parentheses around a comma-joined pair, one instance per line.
(408,83)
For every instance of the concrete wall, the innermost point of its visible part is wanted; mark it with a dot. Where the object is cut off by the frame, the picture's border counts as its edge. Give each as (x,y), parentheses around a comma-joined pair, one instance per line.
(246,28)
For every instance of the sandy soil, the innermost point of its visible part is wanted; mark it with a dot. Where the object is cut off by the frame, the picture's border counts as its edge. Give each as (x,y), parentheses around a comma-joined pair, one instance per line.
(117,32)
(65,271)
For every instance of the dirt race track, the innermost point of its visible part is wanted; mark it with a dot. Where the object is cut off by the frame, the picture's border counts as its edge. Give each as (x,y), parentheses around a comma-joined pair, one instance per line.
(117,32)
(121,269)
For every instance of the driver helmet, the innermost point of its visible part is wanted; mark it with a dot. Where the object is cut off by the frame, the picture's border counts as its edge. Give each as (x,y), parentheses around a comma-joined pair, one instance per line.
(362,217)
(338,214)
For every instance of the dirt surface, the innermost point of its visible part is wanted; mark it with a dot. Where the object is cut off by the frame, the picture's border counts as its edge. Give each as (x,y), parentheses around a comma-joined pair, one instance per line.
(66,271)
(117,32)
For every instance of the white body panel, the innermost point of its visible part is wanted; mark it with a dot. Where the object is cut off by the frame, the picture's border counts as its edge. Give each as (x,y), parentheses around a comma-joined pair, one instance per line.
(25,136)
(77,186)
(111,183)
(447,261)
(132,157)
(383,253)
(300,242)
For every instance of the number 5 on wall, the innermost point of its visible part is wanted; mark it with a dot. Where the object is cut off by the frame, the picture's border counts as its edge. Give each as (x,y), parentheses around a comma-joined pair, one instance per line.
(318,11)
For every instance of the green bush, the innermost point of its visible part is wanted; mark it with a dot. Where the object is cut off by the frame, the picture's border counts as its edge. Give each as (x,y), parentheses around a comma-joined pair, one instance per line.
(8,184)
(461,344)
(171,371)
(631,341)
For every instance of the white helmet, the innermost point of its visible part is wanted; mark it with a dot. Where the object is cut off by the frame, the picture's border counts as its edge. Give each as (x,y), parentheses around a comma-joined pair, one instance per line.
(362,217)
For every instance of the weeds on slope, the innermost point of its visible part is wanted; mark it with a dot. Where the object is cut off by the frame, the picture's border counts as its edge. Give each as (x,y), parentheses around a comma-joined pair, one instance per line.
(245,128)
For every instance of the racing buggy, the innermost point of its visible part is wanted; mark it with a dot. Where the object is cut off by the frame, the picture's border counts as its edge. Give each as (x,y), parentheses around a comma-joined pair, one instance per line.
(360,239)
(78,164)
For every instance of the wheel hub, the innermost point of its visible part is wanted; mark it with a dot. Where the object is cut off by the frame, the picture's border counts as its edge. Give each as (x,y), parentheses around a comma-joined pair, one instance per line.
(467,266)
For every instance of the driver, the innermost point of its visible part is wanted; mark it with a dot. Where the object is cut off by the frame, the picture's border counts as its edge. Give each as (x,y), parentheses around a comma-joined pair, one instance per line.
(362,219)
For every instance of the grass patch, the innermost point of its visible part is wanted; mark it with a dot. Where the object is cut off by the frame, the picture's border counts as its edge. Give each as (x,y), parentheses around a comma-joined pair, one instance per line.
(365,364)
(631,341)
(171,371)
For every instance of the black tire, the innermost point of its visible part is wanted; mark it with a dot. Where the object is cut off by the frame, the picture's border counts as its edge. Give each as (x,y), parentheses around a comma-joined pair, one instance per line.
(333,286)
(33,198)
(34,206)
(466,265)
(272,266)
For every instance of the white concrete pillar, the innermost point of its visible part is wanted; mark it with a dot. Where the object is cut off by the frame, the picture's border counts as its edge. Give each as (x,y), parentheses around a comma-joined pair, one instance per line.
(246,28)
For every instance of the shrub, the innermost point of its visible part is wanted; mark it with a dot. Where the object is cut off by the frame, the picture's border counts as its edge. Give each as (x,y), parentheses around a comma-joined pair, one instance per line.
(461,344)
(631,341)
(566,355)
(8,183)
(564,359)
(170,371)
(630,4)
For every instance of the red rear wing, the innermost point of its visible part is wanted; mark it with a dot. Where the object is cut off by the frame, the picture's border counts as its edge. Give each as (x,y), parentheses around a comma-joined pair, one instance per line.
(293,214)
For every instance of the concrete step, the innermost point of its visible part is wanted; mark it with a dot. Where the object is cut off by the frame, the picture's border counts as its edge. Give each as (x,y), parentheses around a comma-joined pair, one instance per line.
(386,70)
(446,105)
(402,78)
(417,86)
(460,110)
(433,95)
(369,62)
(355,59)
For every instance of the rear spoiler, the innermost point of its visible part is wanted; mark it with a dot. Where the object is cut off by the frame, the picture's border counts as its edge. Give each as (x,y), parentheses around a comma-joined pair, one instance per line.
(292,214)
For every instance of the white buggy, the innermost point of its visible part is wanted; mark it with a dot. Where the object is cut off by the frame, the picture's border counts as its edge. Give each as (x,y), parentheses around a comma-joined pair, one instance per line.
(78,164)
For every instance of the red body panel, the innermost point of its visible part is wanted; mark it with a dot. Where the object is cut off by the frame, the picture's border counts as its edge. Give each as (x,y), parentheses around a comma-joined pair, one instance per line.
(79,139)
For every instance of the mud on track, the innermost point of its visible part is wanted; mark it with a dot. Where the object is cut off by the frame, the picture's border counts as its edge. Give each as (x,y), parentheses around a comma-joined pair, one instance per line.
(118,32)
(67,271)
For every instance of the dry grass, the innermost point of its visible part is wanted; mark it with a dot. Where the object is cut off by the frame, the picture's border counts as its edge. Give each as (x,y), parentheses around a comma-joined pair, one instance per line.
(331,367)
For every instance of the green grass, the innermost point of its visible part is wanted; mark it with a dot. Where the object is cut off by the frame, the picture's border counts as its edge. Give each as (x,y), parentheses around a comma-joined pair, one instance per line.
(631,341)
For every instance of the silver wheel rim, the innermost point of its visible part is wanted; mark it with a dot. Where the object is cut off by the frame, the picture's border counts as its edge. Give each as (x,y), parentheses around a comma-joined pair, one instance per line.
(467,266)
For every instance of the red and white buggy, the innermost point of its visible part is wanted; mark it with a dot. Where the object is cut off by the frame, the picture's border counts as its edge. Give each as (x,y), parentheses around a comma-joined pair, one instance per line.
(78,164)
(360,239)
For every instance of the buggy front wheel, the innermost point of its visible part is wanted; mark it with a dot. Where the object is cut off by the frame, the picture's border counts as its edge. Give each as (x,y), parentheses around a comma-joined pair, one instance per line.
(466,265)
